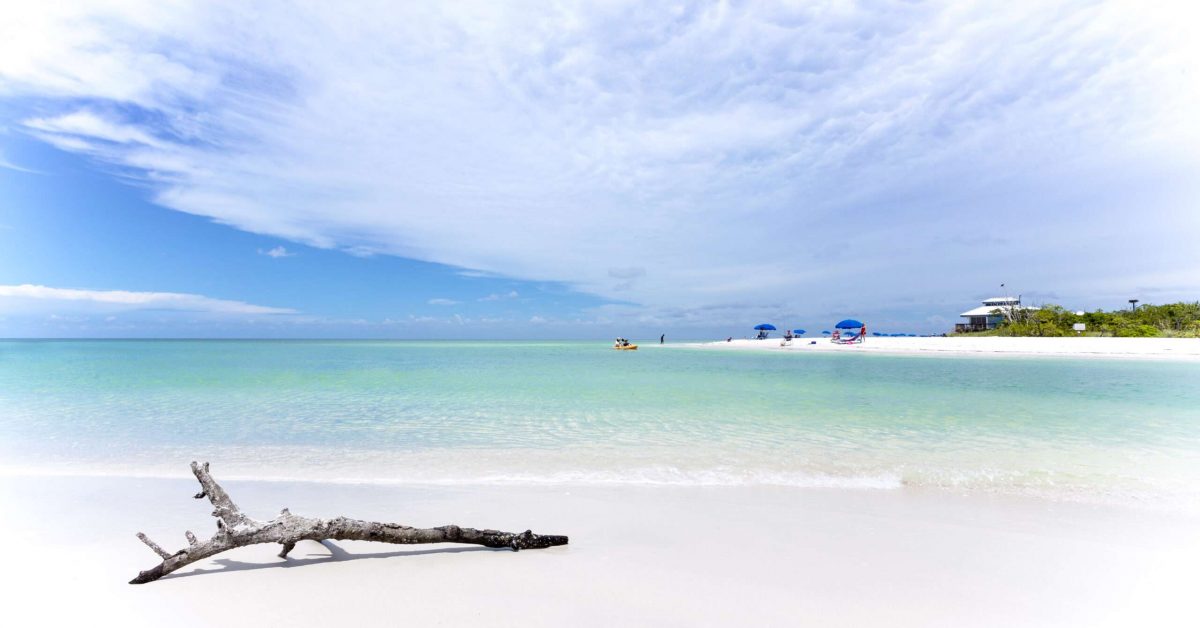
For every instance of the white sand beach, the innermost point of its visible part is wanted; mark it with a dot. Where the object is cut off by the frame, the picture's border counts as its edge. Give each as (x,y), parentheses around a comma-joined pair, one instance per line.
(651,556)
(1078,347)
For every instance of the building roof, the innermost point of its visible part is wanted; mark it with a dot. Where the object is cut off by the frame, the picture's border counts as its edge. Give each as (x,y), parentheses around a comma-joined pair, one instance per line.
(983,310)
(1002,301)
(987,310)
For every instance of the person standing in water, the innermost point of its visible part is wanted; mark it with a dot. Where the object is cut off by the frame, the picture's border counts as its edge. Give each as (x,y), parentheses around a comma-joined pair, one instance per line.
(662,339)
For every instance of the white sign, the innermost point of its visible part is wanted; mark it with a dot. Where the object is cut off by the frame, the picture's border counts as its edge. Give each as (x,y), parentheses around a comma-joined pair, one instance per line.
(1080,327)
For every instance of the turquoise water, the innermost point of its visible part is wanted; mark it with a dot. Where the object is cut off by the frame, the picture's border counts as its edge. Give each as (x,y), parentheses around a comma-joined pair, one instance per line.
(576,412)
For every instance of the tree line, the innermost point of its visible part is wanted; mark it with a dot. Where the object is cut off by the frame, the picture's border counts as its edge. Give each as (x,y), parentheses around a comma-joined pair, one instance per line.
(1177,320)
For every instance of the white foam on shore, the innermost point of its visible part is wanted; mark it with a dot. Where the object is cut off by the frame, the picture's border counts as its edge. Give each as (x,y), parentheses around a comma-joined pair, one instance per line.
(651,476)
(981,481)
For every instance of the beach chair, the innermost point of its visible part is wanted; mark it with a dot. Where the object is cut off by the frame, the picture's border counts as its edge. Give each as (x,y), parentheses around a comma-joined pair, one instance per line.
(849,339)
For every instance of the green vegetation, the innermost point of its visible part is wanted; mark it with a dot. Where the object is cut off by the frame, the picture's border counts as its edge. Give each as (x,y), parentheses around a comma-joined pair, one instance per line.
(1177,320)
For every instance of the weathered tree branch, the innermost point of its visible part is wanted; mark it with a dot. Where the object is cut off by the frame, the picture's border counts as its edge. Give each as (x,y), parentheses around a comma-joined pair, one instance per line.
(235,529)
(154,546)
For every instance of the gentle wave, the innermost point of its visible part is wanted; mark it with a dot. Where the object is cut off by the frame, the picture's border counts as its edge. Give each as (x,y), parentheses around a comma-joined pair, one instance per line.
(655,476)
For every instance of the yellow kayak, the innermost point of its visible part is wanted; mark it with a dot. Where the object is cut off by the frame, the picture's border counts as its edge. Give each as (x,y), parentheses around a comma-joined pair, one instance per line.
(626,348)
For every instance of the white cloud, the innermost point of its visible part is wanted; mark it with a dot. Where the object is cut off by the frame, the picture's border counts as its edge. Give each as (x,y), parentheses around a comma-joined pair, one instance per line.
(476,274)
(26,297)
(501,296)
(87,124)
(440,301)
(6,164)
(276,252)
(820,155)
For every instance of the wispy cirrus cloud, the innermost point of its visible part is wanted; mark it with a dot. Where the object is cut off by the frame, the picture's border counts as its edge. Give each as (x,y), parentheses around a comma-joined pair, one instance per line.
(6,164)
(276,252)
(87,124)
(27,297)
(822,155)
(441,301)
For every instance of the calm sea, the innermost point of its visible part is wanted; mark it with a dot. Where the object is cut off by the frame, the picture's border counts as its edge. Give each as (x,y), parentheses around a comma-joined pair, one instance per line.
(1103,431)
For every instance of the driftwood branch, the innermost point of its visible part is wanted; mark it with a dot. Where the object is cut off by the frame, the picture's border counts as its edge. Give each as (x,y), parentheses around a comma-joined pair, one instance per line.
(154,546)
(235,529)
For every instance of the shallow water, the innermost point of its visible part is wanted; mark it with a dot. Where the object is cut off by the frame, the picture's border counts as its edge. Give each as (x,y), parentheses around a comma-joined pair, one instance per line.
(1107,431)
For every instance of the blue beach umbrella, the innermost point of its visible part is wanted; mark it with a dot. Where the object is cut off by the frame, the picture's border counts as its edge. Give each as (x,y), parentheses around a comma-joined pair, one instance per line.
(764,327)
(849,323)
(827,332)
(799,332)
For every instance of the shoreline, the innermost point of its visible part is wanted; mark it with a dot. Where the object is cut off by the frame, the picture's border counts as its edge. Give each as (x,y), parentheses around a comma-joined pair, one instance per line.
(646,556)
(1116,501)
(1086,347)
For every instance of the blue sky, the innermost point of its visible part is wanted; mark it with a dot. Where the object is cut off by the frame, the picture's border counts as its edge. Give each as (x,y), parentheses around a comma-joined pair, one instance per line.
(67,224)
(544,170)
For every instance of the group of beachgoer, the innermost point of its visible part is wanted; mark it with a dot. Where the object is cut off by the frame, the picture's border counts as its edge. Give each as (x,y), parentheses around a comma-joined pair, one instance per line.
(623,342)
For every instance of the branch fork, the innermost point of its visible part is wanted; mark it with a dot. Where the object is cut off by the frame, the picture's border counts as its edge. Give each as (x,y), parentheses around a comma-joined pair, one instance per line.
(235,529)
